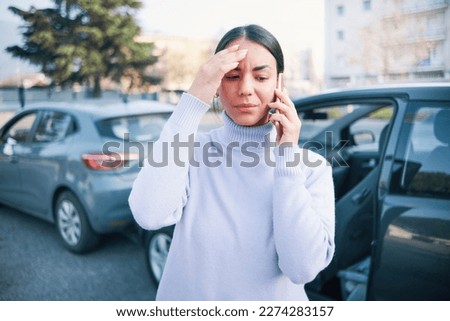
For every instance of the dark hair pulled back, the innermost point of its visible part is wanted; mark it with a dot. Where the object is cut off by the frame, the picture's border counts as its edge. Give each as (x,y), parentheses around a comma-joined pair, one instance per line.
(258,35)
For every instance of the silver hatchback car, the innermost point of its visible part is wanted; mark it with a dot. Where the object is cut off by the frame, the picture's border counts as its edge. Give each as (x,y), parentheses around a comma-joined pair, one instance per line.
(74,165)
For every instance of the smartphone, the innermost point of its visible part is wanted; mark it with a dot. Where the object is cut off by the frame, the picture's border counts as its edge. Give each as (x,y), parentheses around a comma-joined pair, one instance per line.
(280,86)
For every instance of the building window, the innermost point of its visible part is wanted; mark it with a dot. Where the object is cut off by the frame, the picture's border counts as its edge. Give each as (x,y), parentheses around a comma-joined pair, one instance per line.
(340,35)
(367,5)
(340,10)
(340,60)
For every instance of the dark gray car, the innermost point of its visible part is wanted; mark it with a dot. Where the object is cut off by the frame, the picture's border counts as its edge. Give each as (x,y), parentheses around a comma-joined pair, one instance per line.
(74,165)
(389,147)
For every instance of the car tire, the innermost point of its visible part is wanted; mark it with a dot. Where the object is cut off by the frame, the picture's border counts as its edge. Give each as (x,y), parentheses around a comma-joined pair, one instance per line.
(157,248)
(73,226)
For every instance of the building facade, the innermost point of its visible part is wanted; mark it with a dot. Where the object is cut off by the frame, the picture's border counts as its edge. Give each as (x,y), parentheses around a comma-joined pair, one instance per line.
(386,41)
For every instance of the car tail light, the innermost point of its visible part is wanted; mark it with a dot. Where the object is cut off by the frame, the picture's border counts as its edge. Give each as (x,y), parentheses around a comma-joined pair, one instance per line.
(104,162)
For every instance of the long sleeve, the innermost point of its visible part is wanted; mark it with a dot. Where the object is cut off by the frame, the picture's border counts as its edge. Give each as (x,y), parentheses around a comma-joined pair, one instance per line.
(161,187)
(304,219)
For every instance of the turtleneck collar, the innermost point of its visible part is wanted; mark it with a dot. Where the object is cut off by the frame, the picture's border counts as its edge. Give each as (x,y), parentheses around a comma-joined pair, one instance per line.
(242,134)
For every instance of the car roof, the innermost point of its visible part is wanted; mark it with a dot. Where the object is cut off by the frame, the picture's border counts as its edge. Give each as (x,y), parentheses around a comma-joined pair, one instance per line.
(416,91)
(105,109)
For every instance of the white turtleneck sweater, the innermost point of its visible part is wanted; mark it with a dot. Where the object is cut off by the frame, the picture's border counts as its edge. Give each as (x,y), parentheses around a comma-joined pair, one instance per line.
(249,224)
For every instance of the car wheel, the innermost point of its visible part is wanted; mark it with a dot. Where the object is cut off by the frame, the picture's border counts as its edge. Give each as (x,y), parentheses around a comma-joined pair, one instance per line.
(157,249)
(73,226)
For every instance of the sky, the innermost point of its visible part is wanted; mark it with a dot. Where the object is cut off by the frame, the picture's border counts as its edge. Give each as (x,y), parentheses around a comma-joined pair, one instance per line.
(296,23)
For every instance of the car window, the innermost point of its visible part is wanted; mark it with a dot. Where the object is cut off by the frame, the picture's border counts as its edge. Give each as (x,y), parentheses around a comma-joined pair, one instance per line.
(21,129)
(367,130)
(365,122)
(350,136)
(52,127)
(146,127)
(425,169)
(315,120)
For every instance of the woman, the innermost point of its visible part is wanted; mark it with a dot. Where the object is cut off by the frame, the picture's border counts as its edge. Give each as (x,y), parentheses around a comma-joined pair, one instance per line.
(254,213)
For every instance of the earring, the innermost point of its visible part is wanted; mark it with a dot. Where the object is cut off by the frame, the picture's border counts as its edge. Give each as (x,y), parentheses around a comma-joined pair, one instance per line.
(216,102)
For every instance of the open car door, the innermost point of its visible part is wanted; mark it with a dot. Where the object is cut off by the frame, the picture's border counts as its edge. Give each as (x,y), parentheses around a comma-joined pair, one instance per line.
(351,136)
(411,259)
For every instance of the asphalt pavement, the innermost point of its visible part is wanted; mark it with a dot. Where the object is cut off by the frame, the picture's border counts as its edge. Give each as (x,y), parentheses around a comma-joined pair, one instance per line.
(35,266)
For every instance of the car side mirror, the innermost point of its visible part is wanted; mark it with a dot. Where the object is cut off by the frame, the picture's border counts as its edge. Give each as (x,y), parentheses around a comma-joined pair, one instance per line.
(8,149)
(363,137)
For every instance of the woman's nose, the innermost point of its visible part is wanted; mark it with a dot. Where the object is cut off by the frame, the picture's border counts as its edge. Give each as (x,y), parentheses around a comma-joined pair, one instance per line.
(245,86)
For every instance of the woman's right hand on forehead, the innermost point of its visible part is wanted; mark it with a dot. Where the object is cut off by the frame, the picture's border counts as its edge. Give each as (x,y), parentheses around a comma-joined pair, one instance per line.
(210,74)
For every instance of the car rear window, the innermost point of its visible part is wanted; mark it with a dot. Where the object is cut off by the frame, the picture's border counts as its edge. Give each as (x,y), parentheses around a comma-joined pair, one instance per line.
(146,127)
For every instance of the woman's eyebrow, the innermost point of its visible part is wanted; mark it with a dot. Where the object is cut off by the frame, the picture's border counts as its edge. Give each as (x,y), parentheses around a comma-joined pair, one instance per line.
(254,69)
(261,67)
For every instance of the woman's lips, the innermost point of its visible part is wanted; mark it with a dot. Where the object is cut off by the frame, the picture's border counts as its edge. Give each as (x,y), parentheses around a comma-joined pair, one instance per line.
(246,106)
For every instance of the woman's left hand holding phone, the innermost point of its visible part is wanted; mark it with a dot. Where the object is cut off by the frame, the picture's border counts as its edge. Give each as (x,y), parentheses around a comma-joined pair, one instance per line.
(210,74)
(286,119)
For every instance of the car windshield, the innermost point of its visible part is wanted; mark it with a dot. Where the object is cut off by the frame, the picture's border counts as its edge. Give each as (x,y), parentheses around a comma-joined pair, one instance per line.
(146,127)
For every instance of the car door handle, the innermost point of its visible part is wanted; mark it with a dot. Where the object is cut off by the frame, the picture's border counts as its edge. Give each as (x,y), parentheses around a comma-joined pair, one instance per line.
(360,197)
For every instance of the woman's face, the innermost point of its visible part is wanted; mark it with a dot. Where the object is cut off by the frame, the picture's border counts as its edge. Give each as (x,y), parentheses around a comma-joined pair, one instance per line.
(246,90)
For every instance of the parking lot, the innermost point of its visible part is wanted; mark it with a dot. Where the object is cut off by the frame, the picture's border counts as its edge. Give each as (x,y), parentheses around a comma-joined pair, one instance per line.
(35,266)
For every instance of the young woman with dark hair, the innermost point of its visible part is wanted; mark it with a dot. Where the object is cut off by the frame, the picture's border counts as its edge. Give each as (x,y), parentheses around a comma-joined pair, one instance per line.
(254,213)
